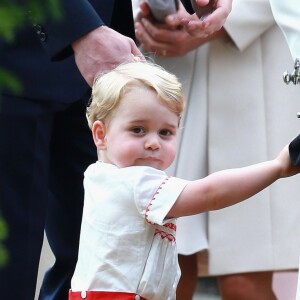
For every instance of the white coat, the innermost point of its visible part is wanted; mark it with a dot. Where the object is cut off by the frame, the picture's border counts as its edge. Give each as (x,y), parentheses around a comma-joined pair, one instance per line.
(240,112)
(287,16)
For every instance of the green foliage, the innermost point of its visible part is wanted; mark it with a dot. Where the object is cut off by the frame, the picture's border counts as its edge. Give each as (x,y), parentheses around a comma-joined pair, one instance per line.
(11,18)
(10,81)
(4,255)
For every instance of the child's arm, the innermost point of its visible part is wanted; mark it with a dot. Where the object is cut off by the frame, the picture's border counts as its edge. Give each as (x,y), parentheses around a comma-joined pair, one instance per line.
(228,187)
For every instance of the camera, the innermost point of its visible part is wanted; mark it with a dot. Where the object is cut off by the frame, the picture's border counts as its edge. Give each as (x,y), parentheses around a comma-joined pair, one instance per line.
(162,8)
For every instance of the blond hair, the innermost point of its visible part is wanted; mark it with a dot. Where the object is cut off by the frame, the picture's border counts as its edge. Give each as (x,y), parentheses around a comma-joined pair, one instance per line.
(110,88)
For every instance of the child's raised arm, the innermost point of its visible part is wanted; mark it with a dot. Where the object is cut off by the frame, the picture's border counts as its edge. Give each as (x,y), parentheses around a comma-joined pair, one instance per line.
(228,187)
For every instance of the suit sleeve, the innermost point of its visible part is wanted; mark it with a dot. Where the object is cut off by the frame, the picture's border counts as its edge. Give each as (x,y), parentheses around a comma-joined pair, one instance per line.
(78,18)
(247,21)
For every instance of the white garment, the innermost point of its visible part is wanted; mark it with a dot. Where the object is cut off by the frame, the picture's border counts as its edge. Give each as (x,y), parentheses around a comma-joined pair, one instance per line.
(126,243)
(287,16)
(240,112)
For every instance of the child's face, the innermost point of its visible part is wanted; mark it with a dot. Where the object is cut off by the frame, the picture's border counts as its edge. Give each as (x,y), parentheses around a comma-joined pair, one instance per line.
(141,132)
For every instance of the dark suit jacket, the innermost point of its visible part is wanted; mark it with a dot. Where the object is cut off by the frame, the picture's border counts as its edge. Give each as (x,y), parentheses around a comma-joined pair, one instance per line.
(41,56)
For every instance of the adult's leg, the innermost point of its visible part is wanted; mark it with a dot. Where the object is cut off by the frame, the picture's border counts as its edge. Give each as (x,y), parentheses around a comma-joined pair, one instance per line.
(72,150)
(247,286)
(25,128)
(188,280)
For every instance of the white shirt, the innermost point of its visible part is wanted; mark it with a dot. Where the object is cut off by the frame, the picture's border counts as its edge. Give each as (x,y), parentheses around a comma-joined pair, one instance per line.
(126,242)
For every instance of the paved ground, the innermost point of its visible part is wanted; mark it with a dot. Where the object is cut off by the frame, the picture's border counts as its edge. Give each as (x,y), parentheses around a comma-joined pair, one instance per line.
(206,289)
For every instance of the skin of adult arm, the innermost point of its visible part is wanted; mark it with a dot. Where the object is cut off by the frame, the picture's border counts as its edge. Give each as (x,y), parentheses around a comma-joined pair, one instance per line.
(228,187)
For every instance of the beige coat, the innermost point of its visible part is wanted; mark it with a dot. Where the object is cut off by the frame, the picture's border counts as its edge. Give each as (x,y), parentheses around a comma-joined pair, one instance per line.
(240,112)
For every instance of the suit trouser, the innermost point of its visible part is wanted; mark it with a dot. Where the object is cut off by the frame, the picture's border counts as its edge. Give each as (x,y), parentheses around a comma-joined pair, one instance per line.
(44,149)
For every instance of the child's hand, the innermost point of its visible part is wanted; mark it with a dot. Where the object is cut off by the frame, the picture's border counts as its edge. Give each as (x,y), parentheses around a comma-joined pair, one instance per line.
(294,149)
(286,166)
(208,24)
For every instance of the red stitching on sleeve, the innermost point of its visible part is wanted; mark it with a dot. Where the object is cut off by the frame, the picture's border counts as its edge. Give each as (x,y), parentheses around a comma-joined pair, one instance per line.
(153,198)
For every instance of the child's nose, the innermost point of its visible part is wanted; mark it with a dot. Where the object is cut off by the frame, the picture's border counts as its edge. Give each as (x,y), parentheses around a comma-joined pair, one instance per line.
(152,142)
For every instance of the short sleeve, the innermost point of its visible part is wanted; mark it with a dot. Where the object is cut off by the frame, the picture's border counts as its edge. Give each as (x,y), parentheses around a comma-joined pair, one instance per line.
(155,193)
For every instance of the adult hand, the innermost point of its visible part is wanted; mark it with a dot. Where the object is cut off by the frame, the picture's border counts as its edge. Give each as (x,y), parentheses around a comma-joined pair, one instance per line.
(168,40)
(101,50)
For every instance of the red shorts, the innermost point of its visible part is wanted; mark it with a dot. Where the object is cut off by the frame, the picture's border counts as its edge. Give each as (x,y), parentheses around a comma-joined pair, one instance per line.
(101,295)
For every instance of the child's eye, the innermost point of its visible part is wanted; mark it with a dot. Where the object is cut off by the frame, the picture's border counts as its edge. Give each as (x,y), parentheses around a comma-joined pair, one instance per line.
(165,132)
(138,130)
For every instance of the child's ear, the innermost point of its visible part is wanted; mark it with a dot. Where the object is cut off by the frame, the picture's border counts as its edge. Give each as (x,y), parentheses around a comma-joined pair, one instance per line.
(99,133)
